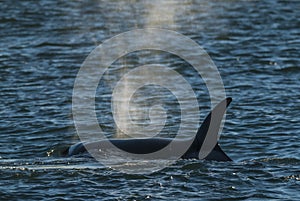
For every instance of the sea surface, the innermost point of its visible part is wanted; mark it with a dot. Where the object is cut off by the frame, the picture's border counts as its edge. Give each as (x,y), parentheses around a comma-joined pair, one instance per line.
(255,46)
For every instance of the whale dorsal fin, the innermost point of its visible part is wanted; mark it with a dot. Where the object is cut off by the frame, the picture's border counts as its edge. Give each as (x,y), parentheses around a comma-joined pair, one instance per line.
(217,154)
(207,135)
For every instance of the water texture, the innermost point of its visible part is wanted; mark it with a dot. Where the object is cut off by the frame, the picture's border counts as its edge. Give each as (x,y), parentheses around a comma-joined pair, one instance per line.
(254,44)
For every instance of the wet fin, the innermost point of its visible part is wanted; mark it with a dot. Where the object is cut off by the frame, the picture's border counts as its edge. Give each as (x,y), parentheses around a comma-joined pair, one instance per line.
(217,154)
(210,129)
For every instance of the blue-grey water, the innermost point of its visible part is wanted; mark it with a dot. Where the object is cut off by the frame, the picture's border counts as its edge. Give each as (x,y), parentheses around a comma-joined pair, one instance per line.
(254,44)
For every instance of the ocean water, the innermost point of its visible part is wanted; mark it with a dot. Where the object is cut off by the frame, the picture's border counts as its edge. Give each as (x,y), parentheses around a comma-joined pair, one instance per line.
(254,44)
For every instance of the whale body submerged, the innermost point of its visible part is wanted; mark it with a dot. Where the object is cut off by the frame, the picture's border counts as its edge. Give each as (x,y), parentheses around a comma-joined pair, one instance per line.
(150,145)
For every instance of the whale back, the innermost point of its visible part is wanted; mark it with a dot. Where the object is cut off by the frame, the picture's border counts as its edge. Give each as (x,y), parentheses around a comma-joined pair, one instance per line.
(204,145)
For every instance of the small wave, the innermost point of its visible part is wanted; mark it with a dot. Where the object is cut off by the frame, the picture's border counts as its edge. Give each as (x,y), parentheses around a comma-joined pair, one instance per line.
(49,164)
(280,161)
(290,69)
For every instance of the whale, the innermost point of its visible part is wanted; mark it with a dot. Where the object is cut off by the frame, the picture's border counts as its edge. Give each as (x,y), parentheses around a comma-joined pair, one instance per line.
(209,129)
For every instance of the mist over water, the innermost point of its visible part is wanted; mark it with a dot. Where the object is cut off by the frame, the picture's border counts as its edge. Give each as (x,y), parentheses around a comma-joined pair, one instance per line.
(255,46)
